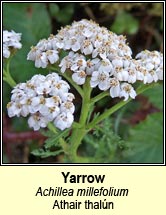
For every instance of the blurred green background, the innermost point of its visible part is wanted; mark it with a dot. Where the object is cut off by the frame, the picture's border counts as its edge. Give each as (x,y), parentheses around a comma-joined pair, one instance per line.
(135,133)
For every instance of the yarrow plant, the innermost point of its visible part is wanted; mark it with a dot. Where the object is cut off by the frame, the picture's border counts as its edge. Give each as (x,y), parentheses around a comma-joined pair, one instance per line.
(86,56)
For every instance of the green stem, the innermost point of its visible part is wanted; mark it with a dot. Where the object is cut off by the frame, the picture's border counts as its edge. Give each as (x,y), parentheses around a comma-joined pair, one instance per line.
(8,79)
(116,107)
(145,87)
(99,97)
(85,102)
(79,132)
(107,113)
(75,141)
(7,76)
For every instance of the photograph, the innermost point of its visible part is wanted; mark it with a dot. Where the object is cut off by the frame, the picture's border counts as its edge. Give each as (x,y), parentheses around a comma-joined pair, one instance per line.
(82,83)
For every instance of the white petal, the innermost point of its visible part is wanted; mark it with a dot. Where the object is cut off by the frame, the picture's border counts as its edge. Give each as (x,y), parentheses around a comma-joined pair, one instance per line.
(133,94)
(78,79)
(103,85)
(115,91)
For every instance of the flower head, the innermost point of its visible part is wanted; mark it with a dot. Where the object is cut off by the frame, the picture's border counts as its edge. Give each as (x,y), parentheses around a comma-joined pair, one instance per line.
(11,40)
(45,99)
(94,51)
(152,63)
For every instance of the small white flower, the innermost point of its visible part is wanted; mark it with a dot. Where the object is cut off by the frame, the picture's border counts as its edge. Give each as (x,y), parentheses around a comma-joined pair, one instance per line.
(100,79)
(36,121)
(124,50)
(25,103)
(87,47)
(121,74)
(64,120)
(14,109)
(127,91)
(34,52)
(36,79)
(17,95)
(6,52)
(53,101)
(67,107)
(98,41)
(79,77)
(60,87)
(92,65)
(52,56)
(79,63)
(53,113)
(41,60)
(43,45)
(126,61)
(10,40)
(114,87)
(30,89)
(159,72)
(43,88)
(66,63)
(50,113)
(25,110)
(52,78)
(37,104)
(153,77)
(105,66)
(73,44)
(100,51)
(60,44)
(143,75)
(132,76)
(67,97)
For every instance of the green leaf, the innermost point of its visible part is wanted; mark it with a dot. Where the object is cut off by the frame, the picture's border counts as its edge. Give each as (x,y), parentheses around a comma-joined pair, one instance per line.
(54,9)
(155,96)
(54,140)
(45,153)
(65,14)
(125,23)
(30,19)
(47,133)
(104,145)
(146,140)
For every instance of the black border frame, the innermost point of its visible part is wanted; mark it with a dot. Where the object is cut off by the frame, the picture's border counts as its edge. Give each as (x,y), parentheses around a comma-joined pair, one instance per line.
(84,164)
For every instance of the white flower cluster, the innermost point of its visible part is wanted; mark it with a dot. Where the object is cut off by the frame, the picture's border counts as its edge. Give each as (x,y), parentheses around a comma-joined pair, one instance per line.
(45,99)
(11,40)
(153,62)
(94,51)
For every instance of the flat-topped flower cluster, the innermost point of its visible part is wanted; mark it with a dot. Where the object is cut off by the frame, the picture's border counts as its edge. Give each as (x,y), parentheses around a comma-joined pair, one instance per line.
(94,51)
(82,50)
(46,99)
(11,40)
